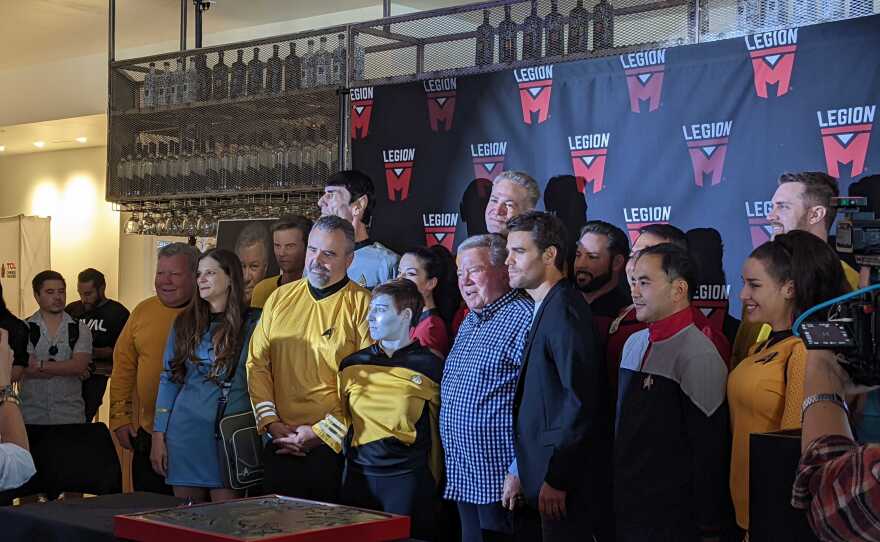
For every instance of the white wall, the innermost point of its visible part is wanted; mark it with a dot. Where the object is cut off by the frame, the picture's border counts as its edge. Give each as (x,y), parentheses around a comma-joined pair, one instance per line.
(69,187)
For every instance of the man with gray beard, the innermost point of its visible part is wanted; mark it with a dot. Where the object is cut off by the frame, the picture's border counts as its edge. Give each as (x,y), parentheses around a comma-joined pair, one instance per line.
(307,328)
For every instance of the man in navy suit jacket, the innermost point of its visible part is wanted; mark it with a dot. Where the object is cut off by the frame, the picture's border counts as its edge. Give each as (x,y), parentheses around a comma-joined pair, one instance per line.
(560,437)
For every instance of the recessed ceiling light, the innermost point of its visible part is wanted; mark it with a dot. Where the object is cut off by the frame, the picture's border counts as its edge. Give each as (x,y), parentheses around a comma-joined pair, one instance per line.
(39,144)
(2,148)
(81,139)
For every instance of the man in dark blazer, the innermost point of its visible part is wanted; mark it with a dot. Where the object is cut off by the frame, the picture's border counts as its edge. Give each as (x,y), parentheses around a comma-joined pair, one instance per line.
(560,437)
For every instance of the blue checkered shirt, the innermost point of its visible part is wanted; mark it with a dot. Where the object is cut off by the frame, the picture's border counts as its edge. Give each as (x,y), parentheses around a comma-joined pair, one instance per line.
(476,398)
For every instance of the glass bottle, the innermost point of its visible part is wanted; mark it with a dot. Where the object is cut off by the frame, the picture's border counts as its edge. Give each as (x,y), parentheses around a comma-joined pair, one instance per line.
(274,72)
(192,82)
(338,67)
(533,34)
(308,66)
(507,38)
(293,159)
(255,69)
(578,29)
(485,54)
(603,25)
(203,86)
(555,35)
(292,69)
(322,64)
(239,77)
(220,79)
(166,85)
(309,165)
(279,156)
(150,86)
(212,167)
(180,92)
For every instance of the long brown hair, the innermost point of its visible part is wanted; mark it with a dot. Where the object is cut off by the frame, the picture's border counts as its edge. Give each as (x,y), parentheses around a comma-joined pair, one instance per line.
(191,324)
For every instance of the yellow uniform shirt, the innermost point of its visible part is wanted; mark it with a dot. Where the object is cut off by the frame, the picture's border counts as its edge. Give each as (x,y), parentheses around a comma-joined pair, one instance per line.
(749,334)
(263,290)
(296,349)
(764,393)
(137,360)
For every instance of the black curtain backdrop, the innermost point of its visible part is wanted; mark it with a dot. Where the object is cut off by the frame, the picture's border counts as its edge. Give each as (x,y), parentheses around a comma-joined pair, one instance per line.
(695,136)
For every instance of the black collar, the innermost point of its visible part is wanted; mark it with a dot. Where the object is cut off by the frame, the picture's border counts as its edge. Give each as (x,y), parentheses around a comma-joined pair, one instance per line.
(364,243)
(321,293)
(377,350)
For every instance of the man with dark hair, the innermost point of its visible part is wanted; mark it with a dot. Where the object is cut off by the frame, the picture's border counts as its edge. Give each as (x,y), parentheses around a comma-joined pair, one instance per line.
(105,318)
(289,234)
(350,195)
(599,264)
(307,328)
(137,360)
(253,247)
(802,201)
(559,399)
(476,394)
(671,449)
(627,323)
(18,338)
(60,350)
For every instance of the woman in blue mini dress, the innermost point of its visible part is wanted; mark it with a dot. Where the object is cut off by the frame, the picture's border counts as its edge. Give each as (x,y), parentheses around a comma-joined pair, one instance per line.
(208,339)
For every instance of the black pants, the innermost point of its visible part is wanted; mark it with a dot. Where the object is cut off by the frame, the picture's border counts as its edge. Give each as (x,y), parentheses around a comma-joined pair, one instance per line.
(412,494)
(315,476)
(485,522)
(143,477)
(575,527)
(93,389)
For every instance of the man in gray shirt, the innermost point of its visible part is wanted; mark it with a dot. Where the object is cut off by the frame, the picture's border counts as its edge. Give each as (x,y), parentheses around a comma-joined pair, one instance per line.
(60,351)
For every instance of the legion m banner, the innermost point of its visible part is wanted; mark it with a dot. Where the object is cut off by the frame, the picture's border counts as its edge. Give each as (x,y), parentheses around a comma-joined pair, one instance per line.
(694,136)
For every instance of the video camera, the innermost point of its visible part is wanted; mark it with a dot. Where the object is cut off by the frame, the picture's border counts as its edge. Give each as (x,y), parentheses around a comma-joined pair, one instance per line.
(852,326)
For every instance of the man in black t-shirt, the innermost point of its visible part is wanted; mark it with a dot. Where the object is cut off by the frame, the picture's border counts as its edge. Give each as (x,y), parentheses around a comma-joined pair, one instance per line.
(105,318)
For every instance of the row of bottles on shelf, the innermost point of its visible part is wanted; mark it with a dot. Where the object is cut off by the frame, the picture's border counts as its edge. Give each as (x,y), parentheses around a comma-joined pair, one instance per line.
(545,36)
(196,82)
(763,14)
(163,166)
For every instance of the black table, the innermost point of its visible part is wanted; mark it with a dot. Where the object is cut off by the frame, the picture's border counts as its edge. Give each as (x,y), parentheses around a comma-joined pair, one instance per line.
(75,520)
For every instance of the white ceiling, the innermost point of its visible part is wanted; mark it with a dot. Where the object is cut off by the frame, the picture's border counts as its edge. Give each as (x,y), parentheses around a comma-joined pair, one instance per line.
(40,31)
(56,135)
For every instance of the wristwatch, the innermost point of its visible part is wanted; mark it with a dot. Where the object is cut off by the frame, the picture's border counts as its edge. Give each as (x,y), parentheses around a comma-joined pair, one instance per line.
(7,393)
(819,397)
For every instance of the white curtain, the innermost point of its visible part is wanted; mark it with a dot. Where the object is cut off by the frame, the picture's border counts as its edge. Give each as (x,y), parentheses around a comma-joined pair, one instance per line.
(24,252)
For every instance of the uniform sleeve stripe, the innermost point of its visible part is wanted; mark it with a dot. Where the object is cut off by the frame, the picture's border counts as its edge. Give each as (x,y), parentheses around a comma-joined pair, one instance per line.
(264,404)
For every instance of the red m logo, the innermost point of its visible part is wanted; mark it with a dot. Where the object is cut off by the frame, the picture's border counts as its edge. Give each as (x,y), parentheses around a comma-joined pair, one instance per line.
(398,176)
(589,167)
(361,111)
(707,157)
(761,231)
(441,108)
(845,145)
(773,67)
(534,97)
(645,84)
(488,167)
(440,236)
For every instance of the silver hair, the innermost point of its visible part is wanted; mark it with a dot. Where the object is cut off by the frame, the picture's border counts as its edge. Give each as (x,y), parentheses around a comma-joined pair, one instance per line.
(253,234)
(524,180)
(496,245)
(174,249)
(334,223)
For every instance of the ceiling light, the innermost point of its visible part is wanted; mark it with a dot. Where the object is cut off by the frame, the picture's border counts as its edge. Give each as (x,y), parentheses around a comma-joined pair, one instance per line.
(39,144)
(81,139)
(2,148)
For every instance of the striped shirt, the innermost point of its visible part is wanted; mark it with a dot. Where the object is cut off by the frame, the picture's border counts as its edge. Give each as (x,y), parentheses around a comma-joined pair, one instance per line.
(476,398)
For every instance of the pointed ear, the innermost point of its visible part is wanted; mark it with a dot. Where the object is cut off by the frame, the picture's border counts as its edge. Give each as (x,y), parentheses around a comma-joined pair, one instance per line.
(358,206)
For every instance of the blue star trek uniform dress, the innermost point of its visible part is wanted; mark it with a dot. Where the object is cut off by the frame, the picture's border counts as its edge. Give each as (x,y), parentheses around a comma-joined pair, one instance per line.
(186,412)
